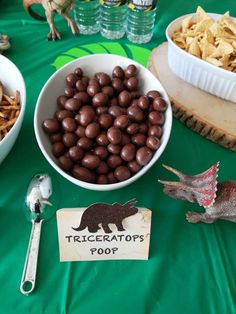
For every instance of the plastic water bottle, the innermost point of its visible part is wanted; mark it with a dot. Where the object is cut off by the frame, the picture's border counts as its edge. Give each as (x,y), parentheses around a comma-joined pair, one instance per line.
(140,20)
(87,15)
(113,18)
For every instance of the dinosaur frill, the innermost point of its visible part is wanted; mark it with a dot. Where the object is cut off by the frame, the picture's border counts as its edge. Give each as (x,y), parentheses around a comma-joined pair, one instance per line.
(218,199)
(199,189)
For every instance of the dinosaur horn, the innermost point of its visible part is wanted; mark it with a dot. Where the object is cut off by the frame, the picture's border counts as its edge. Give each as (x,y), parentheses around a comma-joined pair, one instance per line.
(171,183)
(130,203)
(176,172)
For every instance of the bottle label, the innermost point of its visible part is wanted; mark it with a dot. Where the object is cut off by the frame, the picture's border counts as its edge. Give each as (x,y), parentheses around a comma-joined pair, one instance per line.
(144,5)
(112,3)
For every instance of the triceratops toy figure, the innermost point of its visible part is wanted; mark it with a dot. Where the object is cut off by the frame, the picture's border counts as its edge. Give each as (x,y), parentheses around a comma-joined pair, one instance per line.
(62,7)
(219,199)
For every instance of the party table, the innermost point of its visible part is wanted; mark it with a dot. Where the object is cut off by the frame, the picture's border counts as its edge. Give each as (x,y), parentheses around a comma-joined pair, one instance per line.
(191,267)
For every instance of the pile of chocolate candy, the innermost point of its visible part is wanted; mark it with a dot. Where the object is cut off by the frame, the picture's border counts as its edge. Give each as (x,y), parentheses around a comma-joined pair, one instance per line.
(105,130)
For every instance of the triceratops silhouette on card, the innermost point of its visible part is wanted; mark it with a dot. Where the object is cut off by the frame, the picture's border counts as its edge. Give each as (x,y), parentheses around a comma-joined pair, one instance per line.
(104,214)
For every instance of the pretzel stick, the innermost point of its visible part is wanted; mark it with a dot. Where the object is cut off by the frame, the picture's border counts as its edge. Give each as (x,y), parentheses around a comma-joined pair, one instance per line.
(9,107)
(7,124)
(9,111)
(11,101)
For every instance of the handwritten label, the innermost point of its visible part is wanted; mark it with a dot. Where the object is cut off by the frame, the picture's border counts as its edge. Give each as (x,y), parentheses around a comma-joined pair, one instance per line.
(83,245)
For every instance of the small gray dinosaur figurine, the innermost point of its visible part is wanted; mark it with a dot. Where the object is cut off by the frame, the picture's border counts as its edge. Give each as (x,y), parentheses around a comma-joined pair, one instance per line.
(218,199)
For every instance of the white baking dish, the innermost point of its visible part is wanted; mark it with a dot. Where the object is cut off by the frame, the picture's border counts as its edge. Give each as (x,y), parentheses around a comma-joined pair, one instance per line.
(199,73)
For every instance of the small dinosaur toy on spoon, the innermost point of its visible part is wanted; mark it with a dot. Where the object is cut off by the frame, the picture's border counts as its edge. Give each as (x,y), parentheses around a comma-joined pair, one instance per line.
(218,199)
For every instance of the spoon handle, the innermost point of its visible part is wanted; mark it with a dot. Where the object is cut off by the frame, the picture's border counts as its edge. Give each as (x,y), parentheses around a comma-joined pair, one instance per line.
(29,273)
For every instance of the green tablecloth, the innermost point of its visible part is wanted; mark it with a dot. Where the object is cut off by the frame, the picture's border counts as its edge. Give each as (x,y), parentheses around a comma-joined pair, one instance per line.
(191,267)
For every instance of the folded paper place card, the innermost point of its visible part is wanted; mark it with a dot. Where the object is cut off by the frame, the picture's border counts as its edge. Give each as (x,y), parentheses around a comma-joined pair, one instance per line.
(104,232)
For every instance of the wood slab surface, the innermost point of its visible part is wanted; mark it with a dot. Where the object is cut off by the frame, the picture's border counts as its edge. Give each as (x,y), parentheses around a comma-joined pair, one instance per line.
(210,116)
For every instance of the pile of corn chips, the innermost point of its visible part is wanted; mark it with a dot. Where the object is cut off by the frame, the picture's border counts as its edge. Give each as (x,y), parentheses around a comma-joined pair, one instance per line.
(9,111)
(210,40)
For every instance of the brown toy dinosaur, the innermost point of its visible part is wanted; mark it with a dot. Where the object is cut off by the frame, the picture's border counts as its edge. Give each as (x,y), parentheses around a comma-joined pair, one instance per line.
(62,7)
(104,214)
(219,199)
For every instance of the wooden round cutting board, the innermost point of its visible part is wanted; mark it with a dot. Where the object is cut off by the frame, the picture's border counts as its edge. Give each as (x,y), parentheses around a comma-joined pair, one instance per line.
(208,115)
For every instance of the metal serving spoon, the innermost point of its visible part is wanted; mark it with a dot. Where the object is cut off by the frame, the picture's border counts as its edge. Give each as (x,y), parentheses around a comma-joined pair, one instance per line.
(39,209)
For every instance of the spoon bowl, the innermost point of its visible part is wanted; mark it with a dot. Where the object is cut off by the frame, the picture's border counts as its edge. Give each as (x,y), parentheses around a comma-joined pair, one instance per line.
(37,203)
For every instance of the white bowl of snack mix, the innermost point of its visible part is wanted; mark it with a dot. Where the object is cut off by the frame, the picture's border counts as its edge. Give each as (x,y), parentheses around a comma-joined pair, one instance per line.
(12,104)
(202,52)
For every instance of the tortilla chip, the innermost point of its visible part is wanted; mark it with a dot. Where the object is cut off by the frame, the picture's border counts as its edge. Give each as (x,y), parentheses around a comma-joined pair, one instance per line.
(225,61)
(200,14)
(204,25)
(229,23)
(194,48)
(224,48)
(214,61)
(207,49)
(209,36)
(180,42)
(187,23)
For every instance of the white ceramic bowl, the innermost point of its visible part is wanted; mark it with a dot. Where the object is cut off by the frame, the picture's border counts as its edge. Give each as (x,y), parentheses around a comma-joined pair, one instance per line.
(12,80)
(46,107)
(198,72)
